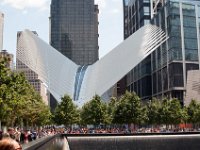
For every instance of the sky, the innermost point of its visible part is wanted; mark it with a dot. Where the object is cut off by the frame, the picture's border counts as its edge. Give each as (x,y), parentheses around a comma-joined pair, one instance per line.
(34,15)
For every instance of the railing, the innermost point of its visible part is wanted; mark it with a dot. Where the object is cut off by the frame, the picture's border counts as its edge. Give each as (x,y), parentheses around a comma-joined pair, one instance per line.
(55,142)
(143,141)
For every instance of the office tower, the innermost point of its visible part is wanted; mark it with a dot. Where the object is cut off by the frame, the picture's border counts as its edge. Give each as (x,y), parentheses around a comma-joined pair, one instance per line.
(30,75)
(1,30)
(74,29)
(156,5)
(137,13)
(164,72)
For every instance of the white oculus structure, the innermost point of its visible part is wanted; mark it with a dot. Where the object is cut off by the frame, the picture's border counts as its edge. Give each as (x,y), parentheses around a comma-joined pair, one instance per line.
(62,76)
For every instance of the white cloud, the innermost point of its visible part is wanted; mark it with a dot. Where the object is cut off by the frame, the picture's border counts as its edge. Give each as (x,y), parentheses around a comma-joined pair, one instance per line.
(116,8)
(101,4)
(115,11)
(24,12)
(23,4)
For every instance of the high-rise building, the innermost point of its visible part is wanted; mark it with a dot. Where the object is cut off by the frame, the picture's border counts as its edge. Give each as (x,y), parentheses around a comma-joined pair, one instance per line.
(164,72)
(1,30)
(137,13)
(30,75)
(74,29)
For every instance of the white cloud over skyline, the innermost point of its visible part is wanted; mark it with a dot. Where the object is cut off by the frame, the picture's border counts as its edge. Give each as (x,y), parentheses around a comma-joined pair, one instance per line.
(101,3)
(41,4)
(44,5)
(24,4)
(29,14)
(115,11)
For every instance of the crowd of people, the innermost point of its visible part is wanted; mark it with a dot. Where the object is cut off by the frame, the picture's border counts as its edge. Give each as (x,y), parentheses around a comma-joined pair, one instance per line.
(18,136)
(26,136)
(13,138)
(126,130)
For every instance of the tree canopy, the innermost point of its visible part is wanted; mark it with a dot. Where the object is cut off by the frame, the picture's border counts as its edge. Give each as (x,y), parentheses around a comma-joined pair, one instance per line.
(94,112)
(66,112)
(19,102)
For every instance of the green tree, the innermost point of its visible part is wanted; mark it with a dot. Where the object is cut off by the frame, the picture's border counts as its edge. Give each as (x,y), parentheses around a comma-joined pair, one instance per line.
(66,112)
(43,115)
(119,116)
(18,99)
(184,115)
(129,110)
(94,112)
(194,113)
(144,115)
(35,111)
(171,112)
(153,114)
(111,106)
(164,112)
(175,112)
(4,80)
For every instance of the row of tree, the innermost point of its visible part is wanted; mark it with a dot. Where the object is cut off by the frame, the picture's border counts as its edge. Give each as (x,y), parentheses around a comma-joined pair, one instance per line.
(127,110)
(19,102)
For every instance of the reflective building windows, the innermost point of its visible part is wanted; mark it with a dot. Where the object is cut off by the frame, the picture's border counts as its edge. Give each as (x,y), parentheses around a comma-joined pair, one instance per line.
(136,14)
(176,75)
(188,9)
(171,61)
(74,29)
(190,32)
(174,31)
(173,7)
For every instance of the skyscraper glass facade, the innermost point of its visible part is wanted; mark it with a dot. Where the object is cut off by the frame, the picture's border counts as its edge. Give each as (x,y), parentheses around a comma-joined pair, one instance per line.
(137,13)
(74,29)
(164,72)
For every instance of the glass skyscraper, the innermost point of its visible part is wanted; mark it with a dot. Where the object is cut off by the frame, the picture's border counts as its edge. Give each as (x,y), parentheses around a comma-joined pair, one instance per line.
(74,30)
(137,13)
(164,72)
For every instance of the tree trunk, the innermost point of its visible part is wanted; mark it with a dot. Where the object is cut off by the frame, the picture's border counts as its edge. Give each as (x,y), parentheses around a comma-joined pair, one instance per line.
(21,123)
(12,122)
(0,126)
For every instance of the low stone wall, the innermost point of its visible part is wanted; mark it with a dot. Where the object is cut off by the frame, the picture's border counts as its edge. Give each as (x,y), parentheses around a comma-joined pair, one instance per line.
(161,141)
(149,142)
(39,143)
